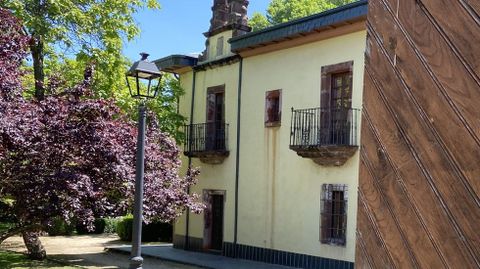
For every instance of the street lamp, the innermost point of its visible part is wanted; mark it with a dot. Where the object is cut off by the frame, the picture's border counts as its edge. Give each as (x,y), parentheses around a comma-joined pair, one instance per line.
(144,73)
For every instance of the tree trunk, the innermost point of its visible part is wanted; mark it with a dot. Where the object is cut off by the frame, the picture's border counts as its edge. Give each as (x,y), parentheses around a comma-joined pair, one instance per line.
(36,47)
(35,248)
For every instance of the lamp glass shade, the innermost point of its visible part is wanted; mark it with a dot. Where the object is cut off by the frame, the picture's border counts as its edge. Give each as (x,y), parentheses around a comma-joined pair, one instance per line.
(141,77)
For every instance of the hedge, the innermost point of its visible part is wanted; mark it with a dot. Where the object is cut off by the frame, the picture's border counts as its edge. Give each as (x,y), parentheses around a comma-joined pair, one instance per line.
(153,232)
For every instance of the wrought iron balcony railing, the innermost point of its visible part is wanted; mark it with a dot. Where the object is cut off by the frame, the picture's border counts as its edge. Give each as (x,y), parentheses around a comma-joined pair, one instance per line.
(207,141)
(324,126)
(326,135)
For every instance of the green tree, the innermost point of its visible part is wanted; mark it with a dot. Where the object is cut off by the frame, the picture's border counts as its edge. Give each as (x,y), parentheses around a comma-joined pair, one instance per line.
(68,35)
(86,30)
(258,21)
(280,11)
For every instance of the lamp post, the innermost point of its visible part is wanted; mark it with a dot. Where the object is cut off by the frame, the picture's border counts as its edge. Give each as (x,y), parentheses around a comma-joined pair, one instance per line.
(143,73)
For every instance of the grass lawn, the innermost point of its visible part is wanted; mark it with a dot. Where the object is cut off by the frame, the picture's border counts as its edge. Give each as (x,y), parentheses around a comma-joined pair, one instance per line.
(12,260)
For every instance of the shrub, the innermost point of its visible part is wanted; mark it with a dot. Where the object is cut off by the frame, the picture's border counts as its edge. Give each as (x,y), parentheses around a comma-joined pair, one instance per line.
(111,225)
(99,227)
(156,231)
(124,228)
(60,227)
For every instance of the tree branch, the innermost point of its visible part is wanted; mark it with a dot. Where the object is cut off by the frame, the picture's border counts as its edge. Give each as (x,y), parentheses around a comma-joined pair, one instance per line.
(25,30)
(16,230)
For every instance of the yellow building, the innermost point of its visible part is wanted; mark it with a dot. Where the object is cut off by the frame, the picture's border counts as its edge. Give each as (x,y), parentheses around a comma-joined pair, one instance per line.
(274,126)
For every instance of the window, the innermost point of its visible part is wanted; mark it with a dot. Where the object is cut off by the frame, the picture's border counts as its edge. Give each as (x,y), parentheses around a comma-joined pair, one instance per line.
(334,214)
(273,108)
(220,46)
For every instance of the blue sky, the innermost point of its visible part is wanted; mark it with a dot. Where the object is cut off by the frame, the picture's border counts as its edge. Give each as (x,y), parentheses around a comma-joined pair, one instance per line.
(177,28)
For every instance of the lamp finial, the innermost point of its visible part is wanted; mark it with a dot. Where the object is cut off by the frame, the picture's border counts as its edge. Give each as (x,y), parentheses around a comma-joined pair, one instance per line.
(144,56)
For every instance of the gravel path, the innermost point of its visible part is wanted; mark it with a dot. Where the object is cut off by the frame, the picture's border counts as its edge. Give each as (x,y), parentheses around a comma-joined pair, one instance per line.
(87,251)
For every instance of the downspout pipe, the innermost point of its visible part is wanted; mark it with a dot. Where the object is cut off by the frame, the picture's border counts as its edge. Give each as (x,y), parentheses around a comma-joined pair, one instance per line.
(237,157)
(192,106)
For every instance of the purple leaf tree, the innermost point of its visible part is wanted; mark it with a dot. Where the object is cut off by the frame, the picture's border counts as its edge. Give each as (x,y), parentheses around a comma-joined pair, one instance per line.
(72,157)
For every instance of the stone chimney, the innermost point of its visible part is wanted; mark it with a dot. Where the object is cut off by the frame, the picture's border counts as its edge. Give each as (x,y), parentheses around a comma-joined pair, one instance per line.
(220,15)
(229,15)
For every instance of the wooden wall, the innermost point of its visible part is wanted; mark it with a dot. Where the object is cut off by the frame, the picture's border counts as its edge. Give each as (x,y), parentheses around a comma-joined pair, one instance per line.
(419,187)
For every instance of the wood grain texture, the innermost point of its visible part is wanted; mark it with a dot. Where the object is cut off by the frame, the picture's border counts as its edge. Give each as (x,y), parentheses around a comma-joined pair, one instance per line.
(371,258)
(432,123)
(445,95)
(395,146)
(420,141)
(462,32)
(385,225)
(474,5)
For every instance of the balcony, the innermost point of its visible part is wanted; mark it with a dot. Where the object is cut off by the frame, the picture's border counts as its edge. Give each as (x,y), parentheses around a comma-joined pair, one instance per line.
(328,136)
(207,141)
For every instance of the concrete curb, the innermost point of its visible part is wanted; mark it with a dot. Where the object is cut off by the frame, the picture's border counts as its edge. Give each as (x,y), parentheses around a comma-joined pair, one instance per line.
(126,252)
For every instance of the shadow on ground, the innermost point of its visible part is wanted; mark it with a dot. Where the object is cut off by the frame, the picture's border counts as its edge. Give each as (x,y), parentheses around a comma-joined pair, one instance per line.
(88,251)
(13,260)
(92,260)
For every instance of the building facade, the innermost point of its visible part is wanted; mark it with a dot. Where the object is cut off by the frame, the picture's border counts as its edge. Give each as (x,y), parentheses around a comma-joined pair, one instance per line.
(274,126)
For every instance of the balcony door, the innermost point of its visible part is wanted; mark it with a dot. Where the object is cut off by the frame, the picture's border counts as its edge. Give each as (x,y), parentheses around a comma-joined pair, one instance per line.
(336,103)
(215,132)
(341,104)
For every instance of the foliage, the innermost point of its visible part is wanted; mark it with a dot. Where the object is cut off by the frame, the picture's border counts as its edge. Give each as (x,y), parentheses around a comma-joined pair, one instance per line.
(280,11)
(13,49)
(88,30)
(98,227)
(5,215)
(164,106)
(258,22)
(125,227)
(4,226)
(68,71)
(111,224)
(71,157)
(151,232)
(11,260)
(77,157)
(58,227)
(68,35)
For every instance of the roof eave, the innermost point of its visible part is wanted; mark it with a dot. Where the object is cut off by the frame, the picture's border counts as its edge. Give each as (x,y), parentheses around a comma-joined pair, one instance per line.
(346,14)
(175,63)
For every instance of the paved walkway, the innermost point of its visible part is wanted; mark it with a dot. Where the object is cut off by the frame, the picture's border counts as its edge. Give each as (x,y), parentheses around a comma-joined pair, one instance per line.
(87,251)
(168,253)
